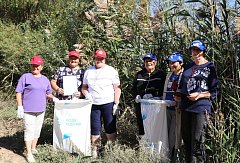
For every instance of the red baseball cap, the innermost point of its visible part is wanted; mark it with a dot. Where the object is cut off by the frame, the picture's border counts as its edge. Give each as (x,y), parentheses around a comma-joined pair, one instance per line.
(36,60)
(100,53)
(73,54)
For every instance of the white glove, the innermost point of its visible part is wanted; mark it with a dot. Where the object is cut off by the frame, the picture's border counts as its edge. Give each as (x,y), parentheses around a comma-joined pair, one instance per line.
(137,98)
(116,109)
(20,112)
(76,95)
(88,96)
(55,99)
(147,96)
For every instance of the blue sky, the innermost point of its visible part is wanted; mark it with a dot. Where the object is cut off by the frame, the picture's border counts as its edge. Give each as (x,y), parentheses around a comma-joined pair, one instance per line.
(155,3)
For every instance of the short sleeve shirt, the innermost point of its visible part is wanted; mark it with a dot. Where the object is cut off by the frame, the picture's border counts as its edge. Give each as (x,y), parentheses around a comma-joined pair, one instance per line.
(34,91)
(100,83)
(67,71)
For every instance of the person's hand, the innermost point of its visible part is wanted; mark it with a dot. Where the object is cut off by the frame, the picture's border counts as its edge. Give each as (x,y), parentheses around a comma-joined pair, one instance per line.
(20,112)
(77,94)
(55,99)
(49,96)
(194,96)
(137,98)
(116,109)
(88,96)
(177,98)
(148,96)
(60,91)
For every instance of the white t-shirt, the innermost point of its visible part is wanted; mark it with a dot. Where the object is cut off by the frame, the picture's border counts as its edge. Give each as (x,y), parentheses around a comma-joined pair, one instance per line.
(100,83)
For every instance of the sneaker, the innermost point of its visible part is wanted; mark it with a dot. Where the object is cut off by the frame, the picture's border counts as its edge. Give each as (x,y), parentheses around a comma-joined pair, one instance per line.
(30,158)
(34,151)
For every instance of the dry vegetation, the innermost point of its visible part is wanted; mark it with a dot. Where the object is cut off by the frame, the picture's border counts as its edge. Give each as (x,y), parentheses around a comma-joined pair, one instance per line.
(126,30)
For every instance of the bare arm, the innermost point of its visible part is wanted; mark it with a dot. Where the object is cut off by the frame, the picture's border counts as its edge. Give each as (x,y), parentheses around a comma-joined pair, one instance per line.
(197,95)
(49,96)
(55,87)
(85,89)
(117,93)
(19,99)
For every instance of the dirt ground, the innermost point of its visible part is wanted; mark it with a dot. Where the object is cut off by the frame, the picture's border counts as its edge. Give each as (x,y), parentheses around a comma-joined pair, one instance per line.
(11,141)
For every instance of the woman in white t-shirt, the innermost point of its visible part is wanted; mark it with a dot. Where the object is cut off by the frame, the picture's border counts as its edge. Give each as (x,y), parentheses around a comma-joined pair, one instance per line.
(101,85)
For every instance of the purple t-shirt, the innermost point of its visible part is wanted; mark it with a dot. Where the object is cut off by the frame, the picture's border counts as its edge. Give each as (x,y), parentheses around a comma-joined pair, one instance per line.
(34,92)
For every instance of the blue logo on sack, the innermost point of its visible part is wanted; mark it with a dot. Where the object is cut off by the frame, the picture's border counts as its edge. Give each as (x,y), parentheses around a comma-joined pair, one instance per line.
(65,136)
(144,116)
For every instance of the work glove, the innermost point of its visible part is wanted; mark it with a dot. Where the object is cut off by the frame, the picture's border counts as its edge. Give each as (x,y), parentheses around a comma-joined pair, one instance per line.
(137,98)
(55,99)
(148,96)
(88,96)
(20,112)
(116,109)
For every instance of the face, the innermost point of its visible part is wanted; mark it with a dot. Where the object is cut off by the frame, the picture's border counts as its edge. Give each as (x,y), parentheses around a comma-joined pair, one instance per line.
(73,61)
(99,62)
(175,66)
(36,69)
(196,53)
(150,64)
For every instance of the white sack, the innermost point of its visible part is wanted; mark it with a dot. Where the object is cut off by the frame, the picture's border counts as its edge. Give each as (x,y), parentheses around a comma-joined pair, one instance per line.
(155,124)
(71,126)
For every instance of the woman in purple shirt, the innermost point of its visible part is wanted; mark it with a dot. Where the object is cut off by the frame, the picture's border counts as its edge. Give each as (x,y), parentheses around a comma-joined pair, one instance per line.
(32,92)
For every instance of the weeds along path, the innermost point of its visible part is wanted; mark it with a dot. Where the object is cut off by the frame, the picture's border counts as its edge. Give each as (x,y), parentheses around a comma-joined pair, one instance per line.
(12,148)
(11,141)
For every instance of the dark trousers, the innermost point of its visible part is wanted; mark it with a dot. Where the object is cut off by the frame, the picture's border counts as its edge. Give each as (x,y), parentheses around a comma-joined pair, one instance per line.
(193,134)
(139,119)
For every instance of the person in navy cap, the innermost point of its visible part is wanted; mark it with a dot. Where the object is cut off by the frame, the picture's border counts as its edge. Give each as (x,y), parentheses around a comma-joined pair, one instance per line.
(148,83)
(199,86)
(171,92)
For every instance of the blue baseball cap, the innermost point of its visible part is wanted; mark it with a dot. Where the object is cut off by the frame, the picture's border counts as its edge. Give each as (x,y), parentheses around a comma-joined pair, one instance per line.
(198,44)
(152,56)
(176,57)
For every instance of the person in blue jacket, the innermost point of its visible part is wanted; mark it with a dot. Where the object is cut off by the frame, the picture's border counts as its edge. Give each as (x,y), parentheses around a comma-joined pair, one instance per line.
(171,92)
(199,86)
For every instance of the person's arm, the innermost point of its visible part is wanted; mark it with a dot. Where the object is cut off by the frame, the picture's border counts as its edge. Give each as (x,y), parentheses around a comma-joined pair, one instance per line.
(134,87)
(19,99)
(85,89)
(161,86)
(85,92)
(50,96)
(79,92)
(117,93)
(20,110)
(55,87)
(197,95)
(213,83)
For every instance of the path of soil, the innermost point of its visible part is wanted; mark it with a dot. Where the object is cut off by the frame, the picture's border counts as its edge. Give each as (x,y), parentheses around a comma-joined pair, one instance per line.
(11,141)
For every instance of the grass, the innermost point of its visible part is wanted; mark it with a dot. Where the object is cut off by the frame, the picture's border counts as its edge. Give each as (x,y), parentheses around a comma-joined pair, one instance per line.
(124,150)
(8,108)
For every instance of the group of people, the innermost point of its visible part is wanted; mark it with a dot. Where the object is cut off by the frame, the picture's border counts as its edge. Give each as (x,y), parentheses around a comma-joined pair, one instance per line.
(99,83)
(191,86)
